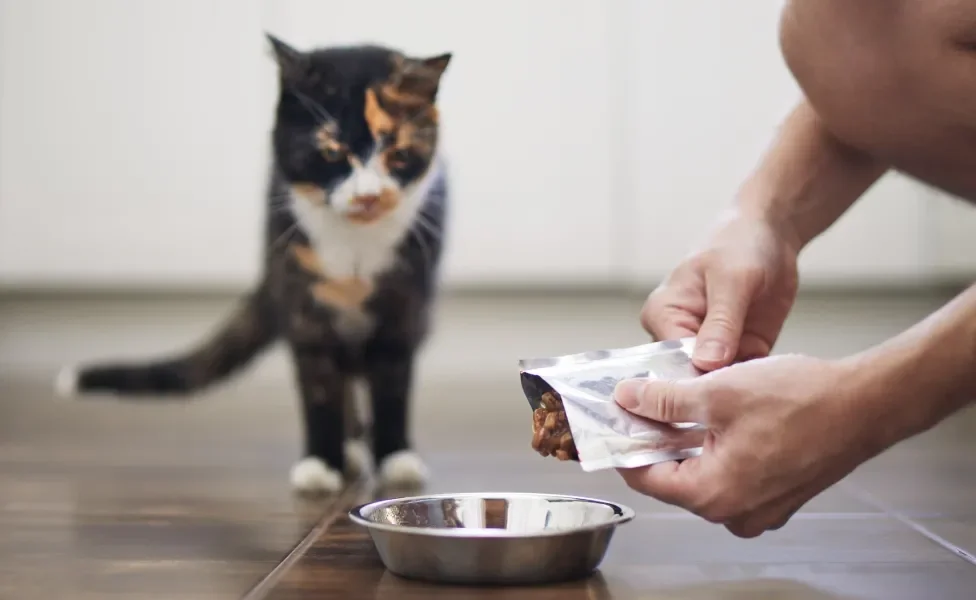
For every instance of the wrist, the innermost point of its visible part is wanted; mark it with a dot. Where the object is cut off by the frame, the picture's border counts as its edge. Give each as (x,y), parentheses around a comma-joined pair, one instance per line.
(758,202)
(876,404)
(807,179)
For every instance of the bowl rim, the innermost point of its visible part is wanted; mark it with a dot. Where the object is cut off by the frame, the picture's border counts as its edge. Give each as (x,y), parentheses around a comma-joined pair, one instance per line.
(355,514)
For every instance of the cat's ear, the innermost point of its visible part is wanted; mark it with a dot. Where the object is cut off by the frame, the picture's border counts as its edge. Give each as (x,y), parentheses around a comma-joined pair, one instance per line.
(438,64)
(420,76)
(290,61)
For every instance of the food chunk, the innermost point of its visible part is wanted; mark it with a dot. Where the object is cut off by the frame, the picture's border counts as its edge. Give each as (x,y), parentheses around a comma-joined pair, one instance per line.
(550,429)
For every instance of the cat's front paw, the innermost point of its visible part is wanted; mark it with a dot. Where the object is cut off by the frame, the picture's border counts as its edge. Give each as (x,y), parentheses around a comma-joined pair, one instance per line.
(66,383)
(403,469)
(312,476)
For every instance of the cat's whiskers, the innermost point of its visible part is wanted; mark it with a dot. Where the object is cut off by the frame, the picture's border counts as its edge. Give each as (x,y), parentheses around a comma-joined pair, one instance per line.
(279,206)
(422,219)
(316,110)
(418,228)
(285,237)
(278,210)
(424,248)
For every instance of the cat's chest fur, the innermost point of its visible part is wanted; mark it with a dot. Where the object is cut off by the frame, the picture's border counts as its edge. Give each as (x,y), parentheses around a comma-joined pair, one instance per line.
(351,258)
(348,251)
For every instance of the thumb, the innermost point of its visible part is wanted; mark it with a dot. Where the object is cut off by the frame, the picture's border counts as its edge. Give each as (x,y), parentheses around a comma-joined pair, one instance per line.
(663,401)
(718,337)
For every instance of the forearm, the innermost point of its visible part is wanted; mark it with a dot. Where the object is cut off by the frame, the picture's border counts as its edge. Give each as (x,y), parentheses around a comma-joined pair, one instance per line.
(807,179)
(915,380)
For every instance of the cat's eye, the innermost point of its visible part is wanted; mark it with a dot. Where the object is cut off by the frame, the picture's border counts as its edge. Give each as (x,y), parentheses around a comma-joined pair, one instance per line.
(399,156)
(333,153)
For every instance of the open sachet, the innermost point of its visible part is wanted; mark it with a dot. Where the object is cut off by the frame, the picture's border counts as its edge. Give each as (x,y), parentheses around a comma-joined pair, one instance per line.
(576,418)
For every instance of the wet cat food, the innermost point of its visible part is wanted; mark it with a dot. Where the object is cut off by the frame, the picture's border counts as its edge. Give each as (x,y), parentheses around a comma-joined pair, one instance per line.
(550,429)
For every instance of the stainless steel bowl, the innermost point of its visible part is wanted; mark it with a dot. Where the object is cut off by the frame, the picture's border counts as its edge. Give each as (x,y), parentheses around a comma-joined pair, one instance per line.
(494,539)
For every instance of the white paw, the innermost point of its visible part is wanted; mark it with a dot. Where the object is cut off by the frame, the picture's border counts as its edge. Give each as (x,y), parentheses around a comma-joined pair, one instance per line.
(66,383)
(312,475)
(403,468)
(359,460)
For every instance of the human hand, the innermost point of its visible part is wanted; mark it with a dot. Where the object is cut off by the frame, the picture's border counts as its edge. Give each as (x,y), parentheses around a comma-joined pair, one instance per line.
(780,431)
(733,294)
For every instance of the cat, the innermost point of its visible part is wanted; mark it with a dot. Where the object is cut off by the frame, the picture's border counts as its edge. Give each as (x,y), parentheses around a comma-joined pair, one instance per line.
(357,206)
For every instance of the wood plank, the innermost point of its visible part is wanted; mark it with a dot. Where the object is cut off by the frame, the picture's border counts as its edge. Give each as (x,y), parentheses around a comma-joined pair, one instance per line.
(837,544)
(102,499)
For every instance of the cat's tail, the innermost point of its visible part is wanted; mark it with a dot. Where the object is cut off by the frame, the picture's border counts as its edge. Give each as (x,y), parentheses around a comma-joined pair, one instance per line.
(249,330)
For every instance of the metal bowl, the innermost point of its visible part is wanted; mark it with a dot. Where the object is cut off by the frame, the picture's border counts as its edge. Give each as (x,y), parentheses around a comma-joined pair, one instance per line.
(491,539)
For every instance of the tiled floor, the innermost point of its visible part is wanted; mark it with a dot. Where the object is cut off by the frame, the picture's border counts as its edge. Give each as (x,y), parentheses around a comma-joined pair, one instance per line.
(189,499)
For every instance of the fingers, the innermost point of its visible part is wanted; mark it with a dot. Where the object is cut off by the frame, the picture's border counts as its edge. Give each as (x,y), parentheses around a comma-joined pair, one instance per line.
(729,295)
(664,401)
(667,321)
(771,516)
(757,524)
(669,482)
(753,346)
(671,330)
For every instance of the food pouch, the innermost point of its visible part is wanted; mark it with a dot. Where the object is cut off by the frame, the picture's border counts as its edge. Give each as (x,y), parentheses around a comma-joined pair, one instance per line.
(605,435)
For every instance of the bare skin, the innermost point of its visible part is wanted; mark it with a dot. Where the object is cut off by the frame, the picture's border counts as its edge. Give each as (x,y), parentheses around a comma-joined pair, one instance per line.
(894,78)
(889,84)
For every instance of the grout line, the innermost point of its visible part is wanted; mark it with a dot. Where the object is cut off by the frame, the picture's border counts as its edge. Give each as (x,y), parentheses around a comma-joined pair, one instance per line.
(267,583)
(868,498)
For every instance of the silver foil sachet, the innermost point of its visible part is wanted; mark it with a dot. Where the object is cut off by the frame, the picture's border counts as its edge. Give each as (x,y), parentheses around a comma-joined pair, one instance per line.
(605,435)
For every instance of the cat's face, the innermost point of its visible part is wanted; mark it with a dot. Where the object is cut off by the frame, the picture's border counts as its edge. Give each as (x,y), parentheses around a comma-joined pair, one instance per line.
(356,127)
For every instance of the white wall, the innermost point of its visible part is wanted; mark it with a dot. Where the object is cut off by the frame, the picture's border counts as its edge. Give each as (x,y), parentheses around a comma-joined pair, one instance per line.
(588,141)
(950,237)
(131,140)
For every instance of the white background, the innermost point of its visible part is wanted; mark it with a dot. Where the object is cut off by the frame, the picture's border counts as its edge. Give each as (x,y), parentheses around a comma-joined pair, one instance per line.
(589,141)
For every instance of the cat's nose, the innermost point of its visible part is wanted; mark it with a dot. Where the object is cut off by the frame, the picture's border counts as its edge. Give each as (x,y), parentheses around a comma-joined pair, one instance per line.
(367,202)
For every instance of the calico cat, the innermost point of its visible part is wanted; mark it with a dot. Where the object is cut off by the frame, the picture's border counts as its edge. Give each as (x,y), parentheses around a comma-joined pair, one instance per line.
(357,204)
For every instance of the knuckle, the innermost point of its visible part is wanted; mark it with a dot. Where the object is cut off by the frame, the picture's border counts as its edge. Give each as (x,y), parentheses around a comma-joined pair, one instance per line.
(635,484)
(717,514)
(722,318)
(781,519)
(667,402)
(653,309)
(749,276)
(745,530)
(647,319)
(655,296)
(710,397)
(719,508)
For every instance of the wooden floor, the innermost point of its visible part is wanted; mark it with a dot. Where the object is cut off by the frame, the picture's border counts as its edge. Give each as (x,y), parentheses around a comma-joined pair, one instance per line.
(190,499)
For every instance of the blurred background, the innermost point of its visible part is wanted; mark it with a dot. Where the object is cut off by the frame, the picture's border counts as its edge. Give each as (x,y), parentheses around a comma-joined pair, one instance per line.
(590,142)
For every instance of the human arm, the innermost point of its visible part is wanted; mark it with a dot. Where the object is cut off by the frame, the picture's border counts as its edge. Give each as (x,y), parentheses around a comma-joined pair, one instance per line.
(783,429)
(807,180)
(735,292)
(922,376)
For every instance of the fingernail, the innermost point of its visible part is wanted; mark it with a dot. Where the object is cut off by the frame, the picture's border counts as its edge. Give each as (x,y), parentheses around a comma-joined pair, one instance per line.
(627,392)
(710,350)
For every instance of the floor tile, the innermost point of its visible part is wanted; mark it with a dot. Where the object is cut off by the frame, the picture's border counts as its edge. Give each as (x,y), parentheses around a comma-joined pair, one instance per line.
(875,539)
(950,580)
